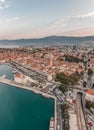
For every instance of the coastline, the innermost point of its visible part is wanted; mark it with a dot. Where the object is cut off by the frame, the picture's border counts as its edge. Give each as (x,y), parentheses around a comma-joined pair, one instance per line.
(12,83)
(29,109)
(21,86)
(36,92)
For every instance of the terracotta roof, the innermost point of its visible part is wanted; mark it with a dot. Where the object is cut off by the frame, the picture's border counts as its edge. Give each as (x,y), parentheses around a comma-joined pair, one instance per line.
(19,75)
(90,91)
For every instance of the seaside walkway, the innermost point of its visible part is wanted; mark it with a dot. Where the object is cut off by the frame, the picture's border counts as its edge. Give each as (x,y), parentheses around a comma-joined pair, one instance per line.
(19,85)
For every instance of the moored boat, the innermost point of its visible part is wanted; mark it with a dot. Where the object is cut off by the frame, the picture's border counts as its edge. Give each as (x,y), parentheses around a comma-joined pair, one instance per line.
(51,127)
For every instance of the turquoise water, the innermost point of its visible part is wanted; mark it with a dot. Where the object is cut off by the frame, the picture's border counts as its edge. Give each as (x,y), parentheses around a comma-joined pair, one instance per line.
(22,109)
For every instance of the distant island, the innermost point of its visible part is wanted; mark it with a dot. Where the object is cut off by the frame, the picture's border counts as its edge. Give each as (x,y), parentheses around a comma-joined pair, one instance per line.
(50,41)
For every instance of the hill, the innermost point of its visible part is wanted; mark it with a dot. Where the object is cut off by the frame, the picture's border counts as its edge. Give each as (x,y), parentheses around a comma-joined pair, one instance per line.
(51,40)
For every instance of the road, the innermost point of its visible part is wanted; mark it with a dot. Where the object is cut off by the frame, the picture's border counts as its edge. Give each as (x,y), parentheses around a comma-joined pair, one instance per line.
(29,72)
(80,114)
(59,117)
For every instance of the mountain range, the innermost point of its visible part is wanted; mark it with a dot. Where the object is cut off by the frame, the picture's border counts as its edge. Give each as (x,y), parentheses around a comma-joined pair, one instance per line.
(51,40)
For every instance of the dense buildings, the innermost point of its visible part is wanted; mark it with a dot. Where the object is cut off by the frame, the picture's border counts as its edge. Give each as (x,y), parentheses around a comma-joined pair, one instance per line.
(45,60)
(62,72)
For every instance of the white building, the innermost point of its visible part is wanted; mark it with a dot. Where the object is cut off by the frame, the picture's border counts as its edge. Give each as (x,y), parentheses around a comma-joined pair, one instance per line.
(19,78)
(49,77)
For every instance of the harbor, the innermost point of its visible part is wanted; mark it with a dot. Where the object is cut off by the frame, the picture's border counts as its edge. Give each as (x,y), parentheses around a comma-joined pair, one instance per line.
(23,88)
(18,85)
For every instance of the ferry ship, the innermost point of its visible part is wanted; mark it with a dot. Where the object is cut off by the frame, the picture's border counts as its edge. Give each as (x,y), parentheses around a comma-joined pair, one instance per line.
(51,127)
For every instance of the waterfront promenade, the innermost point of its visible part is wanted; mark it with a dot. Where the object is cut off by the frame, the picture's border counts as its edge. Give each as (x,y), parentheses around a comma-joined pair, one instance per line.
(22,86)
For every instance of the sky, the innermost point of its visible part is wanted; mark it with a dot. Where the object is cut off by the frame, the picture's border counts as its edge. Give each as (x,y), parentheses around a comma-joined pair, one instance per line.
(40,18)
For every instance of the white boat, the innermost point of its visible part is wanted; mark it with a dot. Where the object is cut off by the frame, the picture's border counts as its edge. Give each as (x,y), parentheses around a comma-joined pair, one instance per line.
(51,127)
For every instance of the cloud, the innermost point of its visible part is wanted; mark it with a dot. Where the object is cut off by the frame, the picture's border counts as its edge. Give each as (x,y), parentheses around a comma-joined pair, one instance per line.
(13,19)
(57,23)
(2,1)
(83,16)
(4,4)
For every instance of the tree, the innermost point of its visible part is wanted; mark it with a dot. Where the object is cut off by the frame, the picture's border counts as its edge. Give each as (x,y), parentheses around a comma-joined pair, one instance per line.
(65,79)
(59,77)
(89,104)
(65,106)
(90,72)
(84,84)
(71,58)
(63,88)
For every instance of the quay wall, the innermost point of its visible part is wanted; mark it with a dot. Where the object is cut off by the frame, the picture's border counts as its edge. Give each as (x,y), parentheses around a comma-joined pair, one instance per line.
(12,83)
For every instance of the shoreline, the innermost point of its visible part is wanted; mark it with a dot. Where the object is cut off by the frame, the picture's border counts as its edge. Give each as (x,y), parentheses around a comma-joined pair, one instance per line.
(12,83)
(36,92)
(21,86)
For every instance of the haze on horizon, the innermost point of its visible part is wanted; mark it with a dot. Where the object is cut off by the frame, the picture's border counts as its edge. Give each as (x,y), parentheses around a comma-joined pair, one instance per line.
(40,18)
